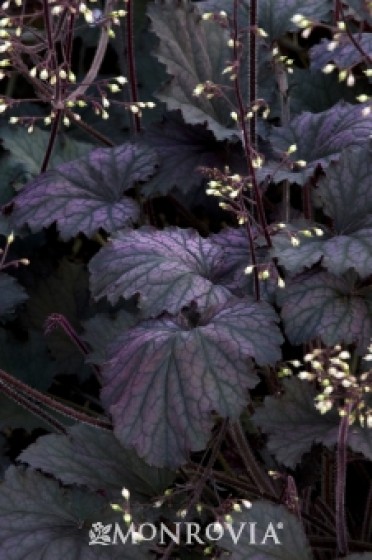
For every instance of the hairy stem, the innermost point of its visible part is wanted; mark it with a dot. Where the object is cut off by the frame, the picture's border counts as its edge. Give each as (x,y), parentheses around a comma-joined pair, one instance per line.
(201,481)
(254,470)
(26,392)
(253,23)
(246,140)
(57,320)
(341,469)
(31,406)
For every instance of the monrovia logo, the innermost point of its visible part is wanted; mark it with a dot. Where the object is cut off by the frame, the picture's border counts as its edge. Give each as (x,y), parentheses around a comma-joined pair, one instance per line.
(184,532)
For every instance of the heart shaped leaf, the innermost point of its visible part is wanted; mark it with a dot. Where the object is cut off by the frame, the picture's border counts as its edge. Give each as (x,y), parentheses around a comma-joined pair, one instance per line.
(94,458)
(88,193)
(168,268)
(336,309)
(266,531)
(191,372)
(293,424)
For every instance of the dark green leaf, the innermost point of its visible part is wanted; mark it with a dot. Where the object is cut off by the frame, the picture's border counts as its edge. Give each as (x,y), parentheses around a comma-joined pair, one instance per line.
(40,520)
(194,51)
(279,535)
(293,424)
(345,191)
(94,458)
(275,15)
(28,150)
(65,292)
(28,361)
(102,329)
(11,295)
(314,91)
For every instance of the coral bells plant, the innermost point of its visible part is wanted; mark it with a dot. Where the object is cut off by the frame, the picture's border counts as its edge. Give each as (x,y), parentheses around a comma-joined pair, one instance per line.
(185,280)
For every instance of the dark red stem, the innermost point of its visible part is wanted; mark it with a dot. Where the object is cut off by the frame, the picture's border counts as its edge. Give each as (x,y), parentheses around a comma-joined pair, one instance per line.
(246,140)
(132,64)
(341,469)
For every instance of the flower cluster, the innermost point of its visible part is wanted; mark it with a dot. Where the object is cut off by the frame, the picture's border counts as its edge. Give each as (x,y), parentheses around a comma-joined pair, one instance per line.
(340,386)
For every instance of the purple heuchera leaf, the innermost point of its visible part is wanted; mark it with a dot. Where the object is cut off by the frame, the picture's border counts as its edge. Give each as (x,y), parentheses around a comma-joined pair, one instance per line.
(168,268)
(88,193)
(165,378)
(345,190)
(319,304)
(320,138)
(346,197)
(236,257)
(182,149)
(345,55)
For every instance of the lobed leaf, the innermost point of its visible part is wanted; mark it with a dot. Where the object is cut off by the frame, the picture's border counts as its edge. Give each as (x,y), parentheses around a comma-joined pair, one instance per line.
(88,193)
(345,195)
(169,269)
(312,90)
(320,138)
(94,458)
(278,534)
(345,55)
(275,15)
(165,377)
(182,149)
(320,304)
(193,51)
(362,9)
(28,150)
(41,520)
(345,191)
(294,425)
